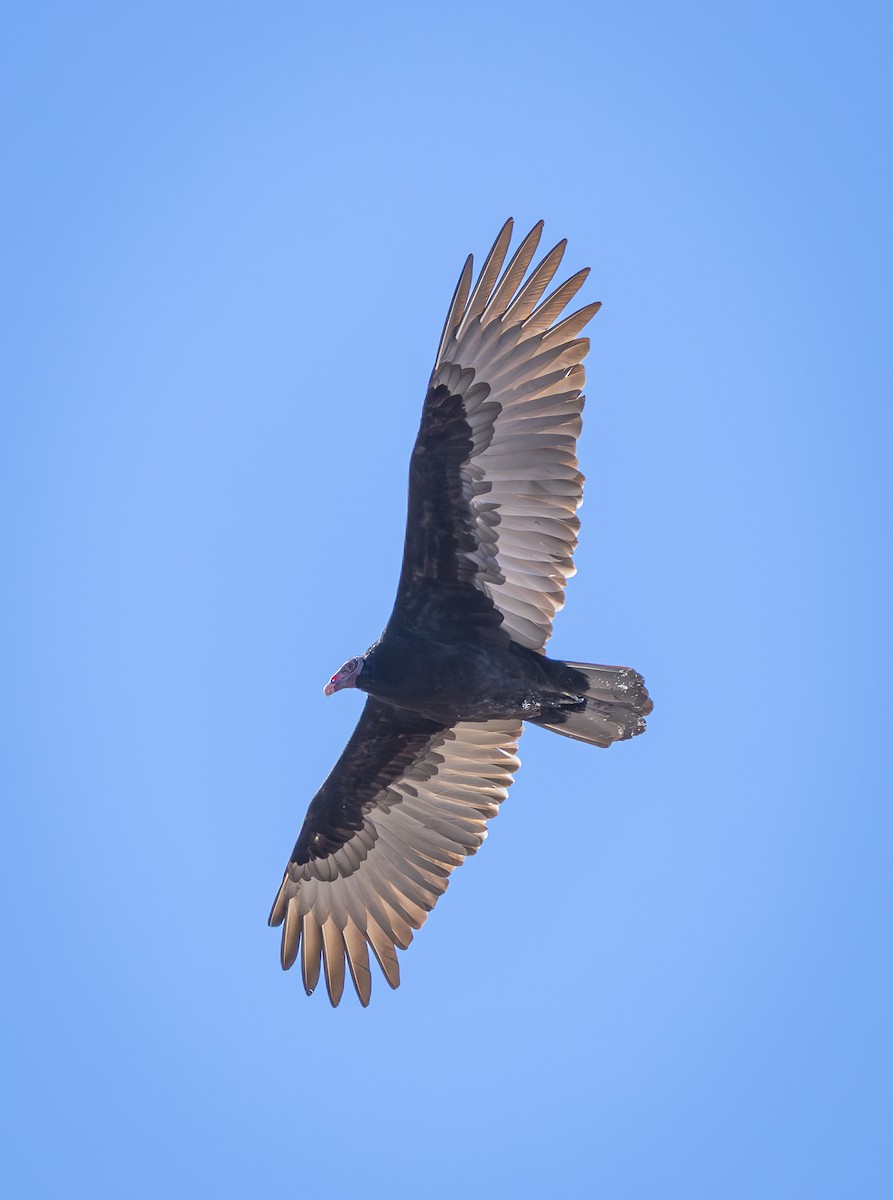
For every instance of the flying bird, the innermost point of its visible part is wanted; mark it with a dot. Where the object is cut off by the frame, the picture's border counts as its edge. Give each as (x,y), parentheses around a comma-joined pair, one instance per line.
(491,528)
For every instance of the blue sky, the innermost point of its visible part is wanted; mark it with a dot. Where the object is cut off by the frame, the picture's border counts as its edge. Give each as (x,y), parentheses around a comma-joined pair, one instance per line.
(232,234)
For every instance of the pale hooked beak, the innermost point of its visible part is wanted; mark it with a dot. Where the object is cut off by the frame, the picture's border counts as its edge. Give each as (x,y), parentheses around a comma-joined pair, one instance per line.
(344,677)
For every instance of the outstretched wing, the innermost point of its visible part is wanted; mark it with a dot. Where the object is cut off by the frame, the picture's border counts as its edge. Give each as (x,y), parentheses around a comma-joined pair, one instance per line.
(494,485)
(403,806)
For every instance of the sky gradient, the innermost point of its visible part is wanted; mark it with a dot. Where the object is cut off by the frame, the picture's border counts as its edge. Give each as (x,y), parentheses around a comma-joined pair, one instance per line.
(232,233)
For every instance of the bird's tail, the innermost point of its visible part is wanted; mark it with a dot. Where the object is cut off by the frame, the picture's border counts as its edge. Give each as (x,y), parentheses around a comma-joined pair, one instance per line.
(613,707)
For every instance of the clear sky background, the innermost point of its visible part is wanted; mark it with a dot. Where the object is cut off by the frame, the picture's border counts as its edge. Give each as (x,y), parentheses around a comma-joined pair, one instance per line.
(232,232)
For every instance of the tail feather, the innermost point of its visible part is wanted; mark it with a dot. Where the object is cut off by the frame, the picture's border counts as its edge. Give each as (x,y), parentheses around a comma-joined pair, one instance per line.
(613,708)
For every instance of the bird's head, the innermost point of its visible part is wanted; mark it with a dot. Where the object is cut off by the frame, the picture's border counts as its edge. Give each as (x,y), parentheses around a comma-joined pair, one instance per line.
(345,676)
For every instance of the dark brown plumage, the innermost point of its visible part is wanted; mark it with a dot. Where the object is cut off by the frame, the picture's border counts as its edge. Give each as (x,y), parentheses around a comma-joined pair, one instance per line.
(491,528)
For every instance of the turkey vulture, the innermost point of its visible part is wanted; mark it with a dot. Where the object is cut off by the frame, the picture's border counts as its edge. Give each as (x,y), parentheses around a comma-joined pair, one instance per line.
(490,532)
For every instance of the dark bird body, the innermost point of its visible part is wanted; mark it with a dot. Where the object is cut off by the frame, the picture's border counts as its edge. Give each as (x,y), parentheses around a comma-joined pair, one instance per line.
(491,527)
(471,680)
